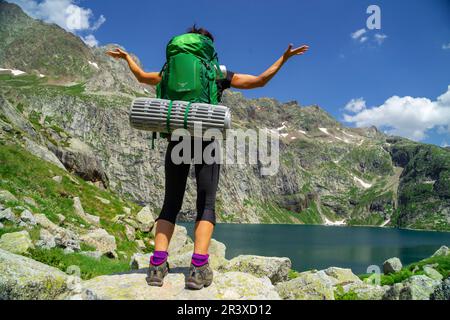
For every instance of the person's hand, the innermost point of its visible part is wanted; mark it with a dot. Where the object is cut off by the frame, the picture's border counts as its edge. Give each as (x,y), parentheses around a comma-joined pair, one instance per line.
(295,52)
(117,53)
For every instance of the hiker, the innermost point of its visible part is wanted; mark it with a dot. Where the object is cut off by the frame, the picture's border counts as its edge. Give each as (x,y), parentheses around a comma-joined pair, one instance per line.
(183,53)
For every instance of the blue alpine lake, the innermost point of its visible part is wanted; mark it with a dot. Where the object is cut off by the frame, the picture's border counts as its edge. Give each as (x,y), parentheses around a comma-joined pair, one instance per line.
(319,247)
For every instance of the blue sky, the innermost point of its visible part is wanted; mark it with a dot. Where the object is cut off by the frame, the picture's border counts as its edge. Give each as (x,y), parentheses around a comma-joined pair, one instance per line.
(411,58)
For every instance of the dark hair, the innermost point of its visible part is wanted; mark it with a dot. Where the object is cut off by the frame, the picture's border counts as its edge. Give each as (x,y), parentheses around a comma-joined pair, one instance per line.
(202,31)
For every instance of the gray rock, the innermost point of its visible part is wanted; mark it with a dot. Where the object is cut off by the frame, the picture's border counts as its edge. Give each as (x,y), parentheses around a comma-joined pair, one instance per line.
(63,237)
(102,200)
(82,160)
(1,225)
(145,219)
(140,261)
(102,241)
(28,218)
(392,265)
(83,215)
(8,215)
(130,232)
(68,250)
(307,286)
(42,152)
(432,273)
(442,292)
(46,240)
(442,251)
(366,291)
(61,218)
(57,179)
(276,269)
(179,241)
(217,248)
(140,244)
(418,288)
(342,276)
(6,196)
(228,286)
(16,242)
(97,255)
(393,293)
(25,279)
(30,202)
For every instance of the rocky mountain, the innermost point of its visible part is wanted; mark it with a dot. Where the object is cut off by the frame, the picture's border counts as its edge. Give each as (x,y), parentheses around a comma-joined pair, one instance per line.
(71,107)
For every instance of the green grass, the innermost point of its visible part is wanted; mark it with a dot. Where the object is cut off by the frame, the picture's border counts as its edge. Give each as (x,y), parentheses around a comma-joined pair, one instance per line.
(443,267)
(89,267)
(25,175)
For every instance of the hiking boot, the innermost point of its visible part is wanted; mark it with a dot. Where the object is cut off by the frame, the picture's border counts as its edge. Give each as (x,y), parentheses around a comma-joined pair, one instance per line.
(156,274)
(199,277)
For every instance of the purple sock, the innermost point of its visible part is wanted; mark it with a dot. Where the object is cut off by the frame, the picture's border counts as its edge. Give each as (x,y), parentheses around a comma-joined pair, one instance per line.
(200,260)
(158,258)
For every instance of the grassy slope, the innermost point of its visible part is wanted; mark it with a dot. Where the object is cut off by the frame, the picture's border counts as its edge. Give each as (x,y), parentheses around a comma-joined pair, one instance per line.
(25,175)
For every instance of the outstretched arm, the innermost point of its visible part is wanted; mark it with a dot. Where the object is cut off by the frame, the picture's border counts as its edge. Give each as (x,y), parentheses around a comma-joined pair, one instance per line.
(246,81)
(151,78)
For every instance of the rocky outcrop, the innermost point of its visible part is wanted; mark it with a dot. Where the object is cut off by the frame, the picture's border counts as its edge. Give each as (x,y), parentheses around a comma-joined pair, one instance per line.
(276,269)
(80,159)
(226,286)
(6,196)
(418,288)
(307,286)
(442,292)
(25,279)
(442,251)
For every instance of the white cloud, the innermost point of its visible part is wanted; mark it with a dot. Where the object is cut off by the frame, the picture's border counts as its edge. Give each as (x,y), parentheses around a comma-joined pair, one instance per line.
(446,46)
(357,34)
(356,105)
(406,116)
(90,40)
(379,38)
(445,144)
(65,13)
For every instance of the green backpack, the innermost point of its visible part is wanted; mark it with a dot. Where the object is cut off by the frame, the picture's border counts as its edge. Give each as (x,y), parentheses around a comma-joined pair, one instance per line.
(189,73)
(191,70)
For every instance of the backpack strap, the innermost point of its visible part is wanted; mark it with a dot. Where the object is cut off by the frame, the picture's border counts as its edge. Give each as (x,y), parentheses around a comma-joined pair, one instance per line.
(169,116)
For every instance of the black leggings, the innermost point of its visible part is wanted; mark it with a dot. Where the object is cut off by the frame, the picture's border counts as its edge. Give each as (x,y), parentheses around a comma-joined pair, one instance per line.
(207,177)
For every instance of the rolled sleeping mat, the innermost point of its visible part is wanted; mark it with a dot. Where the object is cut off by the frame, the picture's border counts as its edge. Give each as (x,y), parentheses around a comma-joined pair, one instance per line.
(160,115)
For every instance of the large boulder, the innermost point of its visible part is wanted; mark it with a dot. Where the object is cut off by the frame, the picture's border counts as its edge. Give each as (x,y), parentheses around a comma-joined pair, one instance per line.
(81,159)
(228,286)
(63,237)
(6,196)
(179,241)
(307,286)
(442,292)
(365,291)
(392,265)
(22,278)
(418,287)
(102,241)
(89,218)
(276,269)
(145,219)
(341,276)
(16,242)
(442,251)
